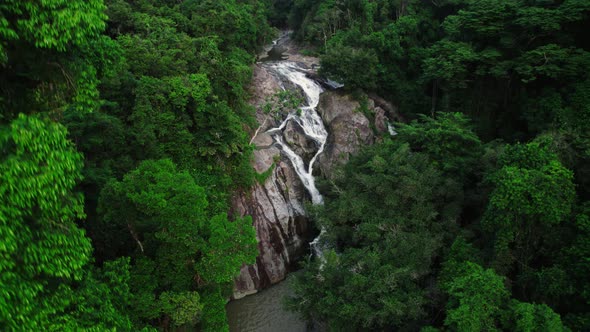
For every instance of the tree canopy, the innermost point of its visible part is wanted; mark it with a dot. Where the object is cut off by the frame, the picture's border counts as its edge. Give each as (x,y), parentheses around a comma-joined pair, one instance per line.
(124,134)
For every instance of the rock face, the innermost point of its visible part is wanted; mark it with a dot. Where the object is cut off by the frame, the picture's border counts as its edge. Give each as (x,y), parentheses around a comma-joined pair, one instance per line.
(281,227)
(349,130)
(380,120)
(299,142)
(276,206)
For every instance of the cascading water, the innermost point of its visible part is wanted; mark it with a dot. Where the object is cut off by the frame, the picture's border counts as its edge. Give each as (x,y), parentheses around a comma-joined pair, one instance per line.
(262,312)
(313,127)
(307,118)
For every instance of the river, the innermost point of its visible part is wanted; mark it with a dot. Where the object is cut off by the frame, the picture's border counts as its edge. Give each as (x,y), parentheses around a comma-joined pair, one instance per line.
(264,312)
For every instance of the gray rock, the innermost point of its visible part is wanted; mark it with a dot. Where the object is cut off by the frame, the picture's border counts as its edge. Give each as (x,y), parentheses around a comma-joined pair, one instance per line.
(262,87)
(299,142)
(282,230)
(276,206)
(265,158)
(348,129)
(391,110)
(380,120)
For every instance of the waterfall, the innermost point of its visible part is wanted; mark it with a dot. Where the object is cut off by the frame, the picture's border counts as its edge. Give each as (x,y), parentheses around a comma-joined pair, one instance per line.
(310,121)
(307,118)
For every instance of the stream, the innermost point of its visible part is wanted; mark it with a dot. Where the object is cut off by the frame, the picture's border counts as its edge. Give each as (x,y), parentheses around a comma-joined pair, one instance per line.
(263,311)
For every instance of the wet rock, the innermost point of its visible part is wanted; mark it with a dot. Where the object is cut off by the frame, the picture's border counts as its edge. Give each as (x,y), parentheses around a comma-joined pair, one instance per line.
(277,205)
(299,142)
(263,140)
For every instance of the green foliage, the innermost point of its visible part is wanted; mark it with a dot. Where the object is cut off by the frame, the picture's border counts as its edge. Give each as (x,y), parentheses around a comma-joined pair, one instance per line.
(241,24)
(479,301)
(388,171)
(450,61)
(365,288)
(100,300)
(354,67)
(580,250)
(214,318)
(461,251)
(519,70)
(160,120)
(535,317)
(40,240)
(169,83)
(45,54)
(185,80)
(576,264)
(181,307)
(230,245)
(551,61)
(387,219)
(531,183)
(476,297)
(101,138)
(177,246)
(447,139)
(281,103)
(532,193)
(167,53)
(54,24)
(44,284)
(528,46)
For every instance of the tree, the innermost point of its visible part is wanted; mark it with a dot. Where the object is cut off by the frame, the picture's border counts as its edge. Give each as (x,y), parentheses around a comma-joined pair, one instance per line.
(354,67)
(101,300)
(54,24)
(178,248)
(447,139)
(386,219)
(479,301)
(535,317)
(41,54)
(242,25)
(476,298)
(576,263)
(42,250)
(532,192)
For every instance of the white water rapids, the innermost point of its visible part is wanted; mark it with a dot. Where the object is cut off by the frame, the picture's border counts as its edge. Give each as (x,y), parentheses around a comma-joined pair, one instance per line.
(310,121)
(307,118)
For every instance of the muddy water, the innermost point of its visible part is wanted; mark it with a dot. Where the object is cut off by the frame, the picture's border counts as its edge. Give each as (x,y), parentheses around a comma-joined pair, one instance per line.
(264,312)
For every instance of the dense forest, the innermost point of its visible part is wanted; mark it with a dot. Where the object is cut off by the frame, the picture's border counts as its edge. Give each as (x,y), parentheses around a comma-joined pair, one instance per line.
(125,130)
(475,217)
(123,134)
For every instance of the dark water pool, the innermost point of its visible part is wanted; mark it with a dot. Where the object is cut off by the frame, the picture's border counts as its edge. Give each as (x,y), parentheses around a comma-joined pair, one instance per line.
(264,312)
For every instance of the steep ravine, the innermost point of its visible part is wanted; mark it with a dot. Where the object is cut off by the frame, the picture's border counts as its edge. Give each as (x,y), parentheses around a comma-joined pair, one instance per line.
(325,130)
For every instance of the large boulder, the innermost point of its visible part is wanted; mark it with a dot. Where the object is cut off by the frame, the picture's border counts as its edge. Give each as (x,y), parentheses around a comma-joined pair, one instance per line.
(348,128)
(282,229)
(299,142)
